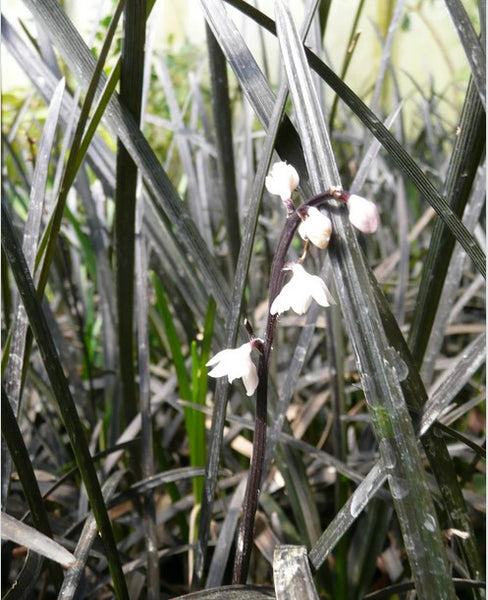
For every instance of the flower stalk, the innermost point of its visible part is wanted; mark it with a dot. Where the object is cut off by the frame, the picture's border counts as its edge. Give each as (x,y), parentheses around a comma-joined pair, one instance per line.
(314,227)
(246,528)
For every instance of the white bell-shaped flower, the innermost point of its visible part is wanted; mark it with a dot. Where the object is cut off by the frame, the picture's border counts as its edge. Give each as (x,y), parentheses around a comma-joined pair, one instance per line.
(282,180)
(235,363)
(363,214)
(298,293)
(315,227)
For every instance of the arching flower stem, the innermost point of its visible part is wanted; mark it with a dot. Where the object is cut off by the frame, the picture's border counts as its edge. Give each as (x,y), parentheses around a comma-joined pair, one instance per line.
(250,505)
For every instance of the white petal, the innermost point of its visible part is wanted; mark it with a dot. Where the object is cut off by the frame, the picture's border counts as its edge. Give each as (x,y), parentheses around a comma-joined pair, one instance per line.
(320,228)
(283,300)
(320,293)
(297,294)
(233,362)
(294,294)
(282,180)
(301,303)
(273,185)
(220,356)
(251,380)
(220,370)
(316,227)
(302,230)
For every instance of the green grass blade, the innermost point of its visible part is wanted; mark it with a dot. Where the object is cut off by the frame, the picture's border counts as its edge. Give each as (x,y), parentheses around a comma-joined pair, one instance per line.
(184,382)
(376,359)
(195,427)
(45,83)
(195,420)
(48,242)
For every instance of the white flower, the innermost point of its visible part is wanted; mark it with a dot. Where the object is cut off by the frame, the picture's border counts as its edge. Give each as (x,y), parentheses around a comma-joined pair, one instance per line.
(297,294)
(316,227)
(282,180)
(363,213)
(235,363)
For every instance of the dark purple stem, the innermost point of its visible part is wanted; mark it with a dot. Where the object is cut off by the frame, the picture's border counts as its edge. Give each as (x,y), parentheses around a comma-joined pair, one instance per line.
(246,528)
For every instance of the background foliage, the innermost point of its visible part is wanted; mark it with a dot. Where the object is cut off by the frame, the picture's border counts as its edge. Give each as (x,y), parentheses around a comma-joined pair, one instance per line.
(136,237)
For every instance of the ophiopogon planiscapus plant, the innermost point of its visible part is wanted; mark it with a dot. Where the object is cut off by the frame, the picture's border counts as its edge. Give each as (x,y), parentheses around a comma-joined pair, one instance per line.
(314,227)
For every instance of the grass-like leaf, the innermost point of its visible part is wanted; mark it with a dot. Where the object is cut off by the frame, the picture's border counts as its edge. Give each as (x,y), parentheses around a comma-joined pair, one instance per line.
(65,401)
(467,154)
(224,145)
(143,355)
(401,158)
(18,451)
(244,66)
(22,534)
(376,359)
(18,343)
(77,55)
(131,79)
(85,543)
(472,45)
(321,468)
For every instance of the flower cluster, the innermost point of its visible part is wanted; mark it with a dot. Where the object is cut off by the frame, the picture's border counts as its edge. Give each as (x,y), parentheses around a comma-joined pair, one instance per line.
(315,228)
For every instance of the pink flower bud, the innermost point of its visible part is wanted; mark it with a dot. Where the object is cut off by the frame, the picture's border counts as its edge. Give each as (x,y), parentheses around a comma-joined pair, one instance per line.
(363,214)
